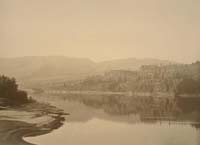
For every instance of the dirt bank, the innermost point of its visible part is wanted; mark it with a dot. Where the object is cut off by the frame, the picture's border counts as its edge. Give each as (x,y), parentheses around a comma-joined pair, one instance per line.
(28,120)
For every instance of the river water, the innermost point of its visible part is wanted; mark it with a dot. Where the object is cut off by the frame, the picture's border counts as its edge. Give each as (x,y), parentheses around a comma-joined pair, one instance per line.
(105,123)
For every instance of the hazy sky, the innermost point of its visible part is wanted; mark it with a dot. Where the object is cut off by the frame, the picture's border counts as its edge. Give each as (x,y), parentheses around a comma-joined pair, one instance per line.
(101,29)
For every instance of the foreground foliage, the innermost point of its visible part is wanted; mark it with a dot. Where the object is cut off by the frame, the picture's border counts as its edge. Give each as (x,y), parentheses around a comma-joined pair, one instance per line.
(9,92)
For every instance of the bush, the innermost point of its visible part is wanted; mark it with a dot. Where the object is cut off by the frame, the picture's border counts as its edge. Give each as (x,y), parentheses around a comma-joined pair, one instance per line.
(9,93)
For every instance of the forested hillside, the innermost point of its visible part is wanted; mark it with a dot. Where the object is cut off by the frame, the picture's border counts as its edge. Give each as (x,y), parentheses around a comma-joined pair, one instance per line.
(48,69)
(176,79)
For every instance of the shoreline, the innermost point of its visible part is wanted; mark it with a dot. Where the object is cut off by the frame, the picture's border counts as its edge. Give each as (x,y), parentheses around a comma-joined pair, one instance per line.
(27,121)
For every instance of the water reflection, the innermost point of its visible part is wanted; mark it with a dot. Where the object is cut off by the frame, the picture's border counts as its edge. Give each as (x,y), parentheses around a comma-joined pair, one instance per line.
(98,132)
(120,120)
(128,109)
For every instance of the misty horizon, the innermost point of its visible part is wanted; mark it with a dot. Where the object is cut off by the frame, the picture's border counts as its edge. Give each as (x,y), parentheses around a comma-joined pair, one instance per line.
(101,30)
(99,61)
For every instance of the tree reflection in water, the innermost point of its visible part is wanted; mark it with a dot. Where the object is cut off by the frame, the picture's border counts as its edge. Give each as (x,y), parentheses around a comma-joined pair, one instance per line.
(149,109)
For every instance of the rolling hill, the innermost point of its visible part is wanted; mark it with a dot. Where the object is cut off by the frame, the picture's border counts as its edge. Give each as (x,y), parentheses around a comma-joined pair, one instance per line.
(57,68)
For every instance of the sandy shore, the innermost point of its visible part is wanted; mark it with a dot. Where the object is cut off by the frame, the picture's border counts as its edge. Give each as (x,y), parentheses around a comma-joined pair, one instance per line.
(29,120)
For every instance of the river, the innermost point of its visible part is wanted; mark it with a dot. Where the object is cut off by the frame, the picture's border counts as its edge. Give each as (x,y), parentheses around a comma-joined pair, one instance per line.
(99,122)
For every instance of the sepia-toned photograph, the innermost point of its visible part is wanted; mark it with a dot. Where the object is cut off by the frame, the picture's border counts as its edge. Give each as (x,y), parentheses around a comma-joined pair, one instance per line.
(99,72)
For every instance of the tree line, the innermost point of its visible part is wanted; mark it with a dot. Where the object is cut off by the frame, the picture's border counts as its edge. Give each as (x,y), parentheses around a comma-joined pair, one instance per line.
(9,92)
(174,78)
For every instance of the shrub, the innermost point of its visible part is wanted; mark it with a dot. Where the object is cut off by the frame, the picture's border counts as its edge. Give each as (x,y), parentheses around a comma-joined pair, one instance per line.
(9,93)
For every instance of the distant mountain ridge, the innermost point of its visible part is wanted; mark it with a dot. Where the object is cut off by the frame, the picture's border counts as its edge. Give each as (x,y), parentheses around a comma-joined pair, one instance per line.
(60,67)
(130,63)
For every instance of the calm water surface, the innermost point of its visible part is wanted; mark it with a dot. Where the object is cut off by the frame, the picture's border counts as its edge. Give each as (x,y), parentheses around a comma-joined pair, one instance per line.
(92,125)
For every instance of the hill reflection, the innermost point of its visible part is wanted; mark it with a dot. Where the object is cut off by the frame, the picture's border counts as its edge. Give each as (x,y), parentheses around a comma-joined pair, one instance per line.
(127,109)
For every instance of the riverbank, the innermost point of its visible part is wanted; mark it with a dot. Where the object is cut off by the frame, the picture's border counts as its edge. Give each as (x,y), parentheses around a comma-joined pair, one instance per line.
(32,119)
